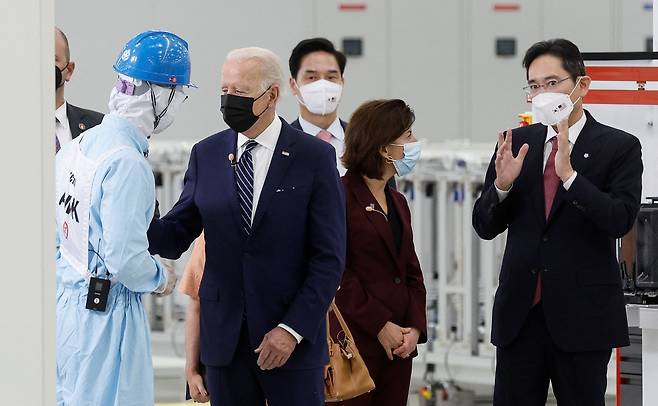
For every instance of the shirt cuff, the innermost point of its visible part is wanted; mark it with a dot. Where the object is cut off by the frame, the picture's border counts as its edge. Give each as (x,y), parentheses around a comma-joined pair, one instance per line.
(502,195)
(569,181)
(161,288)
(163,285)
(292,332)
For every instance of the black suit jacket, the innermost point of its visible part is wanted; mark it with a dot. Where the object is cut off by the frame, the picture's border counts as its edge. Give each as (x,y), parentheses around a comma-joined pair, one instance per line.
(297,125)
(81,119)
(574,250)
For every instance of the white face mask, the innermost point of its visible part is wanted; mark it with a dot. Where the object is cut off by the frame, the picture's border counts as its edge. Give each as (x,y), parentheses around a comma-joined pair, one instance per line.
(321,96)
(550,108)
(138,109)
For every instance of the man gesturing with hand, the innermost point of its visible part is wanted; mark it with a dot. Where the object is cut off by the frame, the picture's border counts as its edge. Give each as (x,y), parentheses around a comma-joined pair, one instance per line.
(508,167)
(564,189)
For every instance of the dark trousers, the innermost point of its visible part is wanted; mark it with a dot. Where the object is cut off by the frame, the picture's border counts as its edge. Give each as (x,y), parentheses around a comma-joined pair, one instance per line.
(242,383)
(392,379)
(526,367)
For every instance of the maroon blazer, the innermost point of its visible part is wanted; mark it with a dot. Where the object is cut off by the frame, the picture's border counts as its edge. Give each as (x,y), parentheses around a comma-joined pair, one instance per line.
(379,284)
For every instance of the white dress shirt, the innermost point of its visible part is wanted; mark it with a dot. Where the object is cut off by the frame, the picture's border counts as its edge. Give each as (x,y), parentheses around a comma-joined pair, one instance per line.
(337,139)
(574,132)
(262,158)
(62,129)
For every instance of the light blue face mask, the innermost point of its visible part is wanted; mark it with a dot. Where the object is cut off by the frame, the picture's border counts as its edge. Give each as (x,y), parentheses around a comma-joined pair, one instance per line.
(411,156)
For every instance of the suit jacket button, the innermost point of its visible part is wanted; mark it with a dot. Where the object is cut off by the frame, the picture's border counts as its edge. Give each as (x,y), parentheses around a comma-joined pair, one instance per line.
(544,238)
(533,271)
(575,202)
(397,280)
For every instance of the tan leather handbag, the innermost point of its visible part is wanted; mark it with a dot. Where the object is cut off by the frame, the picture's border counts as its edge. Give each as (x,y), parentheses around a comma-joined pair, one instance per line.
(346,376)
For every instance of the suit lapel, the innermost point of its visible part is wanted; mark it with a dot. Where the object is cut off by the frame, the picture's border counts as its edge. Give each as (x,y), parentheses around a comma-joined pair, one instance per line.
(74,120)
(226,175)
(584,143)
(283,156)
(365,199)
(296,125)
(405,247)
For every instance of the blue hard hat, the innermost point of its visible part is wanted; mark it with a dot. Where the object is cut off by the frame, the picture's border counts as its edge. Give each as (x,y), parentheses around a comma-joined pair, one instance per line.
(158,57)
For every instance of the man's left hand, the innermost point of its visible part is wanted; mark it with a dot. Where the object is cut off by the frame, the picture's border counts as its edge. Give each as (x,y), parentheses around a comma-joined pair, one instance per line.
(275,349)
(409,344)
(563,166)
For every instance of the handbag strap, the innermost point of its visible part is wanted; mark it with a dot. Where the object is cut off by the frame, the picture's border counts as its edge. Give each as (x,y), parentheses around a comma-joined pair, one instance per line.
(330,341)
(341,321)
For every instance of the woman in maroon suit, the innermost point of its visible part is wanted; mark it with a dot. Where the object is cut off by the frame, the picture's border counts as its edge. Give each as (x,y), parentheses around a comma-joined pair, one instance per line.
(382,295)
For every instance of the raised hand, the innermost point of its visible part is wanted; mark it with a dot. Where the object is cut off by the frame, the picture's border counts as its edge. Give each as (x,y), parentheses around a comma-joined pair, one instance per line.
(508,167)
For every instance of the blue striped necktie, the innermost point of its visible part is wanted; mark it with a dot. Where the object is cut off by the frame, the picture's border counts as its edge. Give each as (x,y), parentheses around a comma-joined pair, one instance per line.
(245,179)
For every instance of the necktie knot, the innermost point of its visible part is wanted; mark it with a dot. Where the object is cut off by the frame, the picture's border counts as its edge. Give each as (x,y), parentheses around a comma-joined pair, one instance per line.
(324,135)
(251,144)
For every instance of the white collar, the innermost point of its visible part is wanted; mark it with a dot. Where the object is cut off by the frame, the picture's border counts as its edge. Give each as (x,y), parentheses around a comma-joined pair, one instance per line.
(574,130)
(60,114)
(336,128)
(268,138)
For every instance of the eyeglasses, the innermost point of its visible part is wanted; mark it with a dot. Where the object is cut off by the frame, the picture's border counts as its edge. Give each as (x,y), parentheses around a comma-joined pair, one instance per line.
(533,88)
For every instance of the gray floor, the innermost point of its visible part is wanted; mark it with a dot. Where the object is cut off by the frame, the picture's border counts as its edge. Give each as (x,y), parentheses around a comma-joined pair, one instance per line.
(170,380)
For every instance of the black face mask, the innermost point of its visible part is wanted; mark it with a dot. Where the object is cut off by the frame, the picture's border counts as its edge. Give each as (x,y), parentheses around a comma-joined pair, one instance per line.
(58,77)
(238,111)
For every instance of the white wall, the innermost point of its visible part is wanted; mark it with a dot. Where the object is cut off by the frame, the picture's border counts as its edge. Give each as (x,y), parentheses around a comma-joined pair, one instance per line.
(438,55)
(97,31)
(27,302)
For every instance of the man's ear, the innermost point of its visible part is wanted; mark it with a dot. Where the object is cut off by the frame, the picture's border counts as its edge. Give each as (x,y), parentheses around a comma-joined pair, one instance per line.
(293,86)
(585,82)
(275,94)
(68,72)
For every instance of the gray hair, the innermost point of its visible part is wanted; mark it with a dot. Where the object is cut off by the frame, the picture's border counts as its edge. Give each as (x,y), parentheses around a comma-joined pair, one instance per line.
(269,62)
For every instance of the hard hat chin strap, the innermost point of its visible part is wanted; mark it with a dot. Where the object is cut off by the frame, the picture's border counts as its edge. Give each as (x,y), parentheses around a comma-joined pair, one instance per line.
(158,116)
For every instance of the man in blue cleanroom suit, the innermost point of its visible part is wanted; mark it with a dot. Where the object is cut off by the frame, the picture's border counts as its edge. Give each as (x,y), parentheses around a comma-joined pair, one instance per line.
(105,203)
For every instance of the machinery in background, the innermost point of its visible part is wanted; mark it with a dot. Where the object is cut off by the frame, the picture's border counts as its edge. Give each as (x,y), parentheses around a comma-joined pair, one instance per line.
(639,272)
(639,257)
(443,393)
(525,119)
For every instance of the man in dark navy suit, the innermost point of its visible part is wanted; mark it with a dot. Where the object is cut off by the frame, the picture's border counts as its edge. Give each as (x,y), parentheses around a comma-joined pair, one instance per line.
(270,202)
(564,192)
(70,121)
(316,80)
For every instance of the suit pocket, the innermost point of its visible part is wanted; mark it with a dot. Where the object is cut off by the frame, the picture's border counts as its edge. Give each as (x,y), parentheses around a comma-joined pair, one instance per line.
(293,188)
(598,277)
(291,199)
(209,292)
